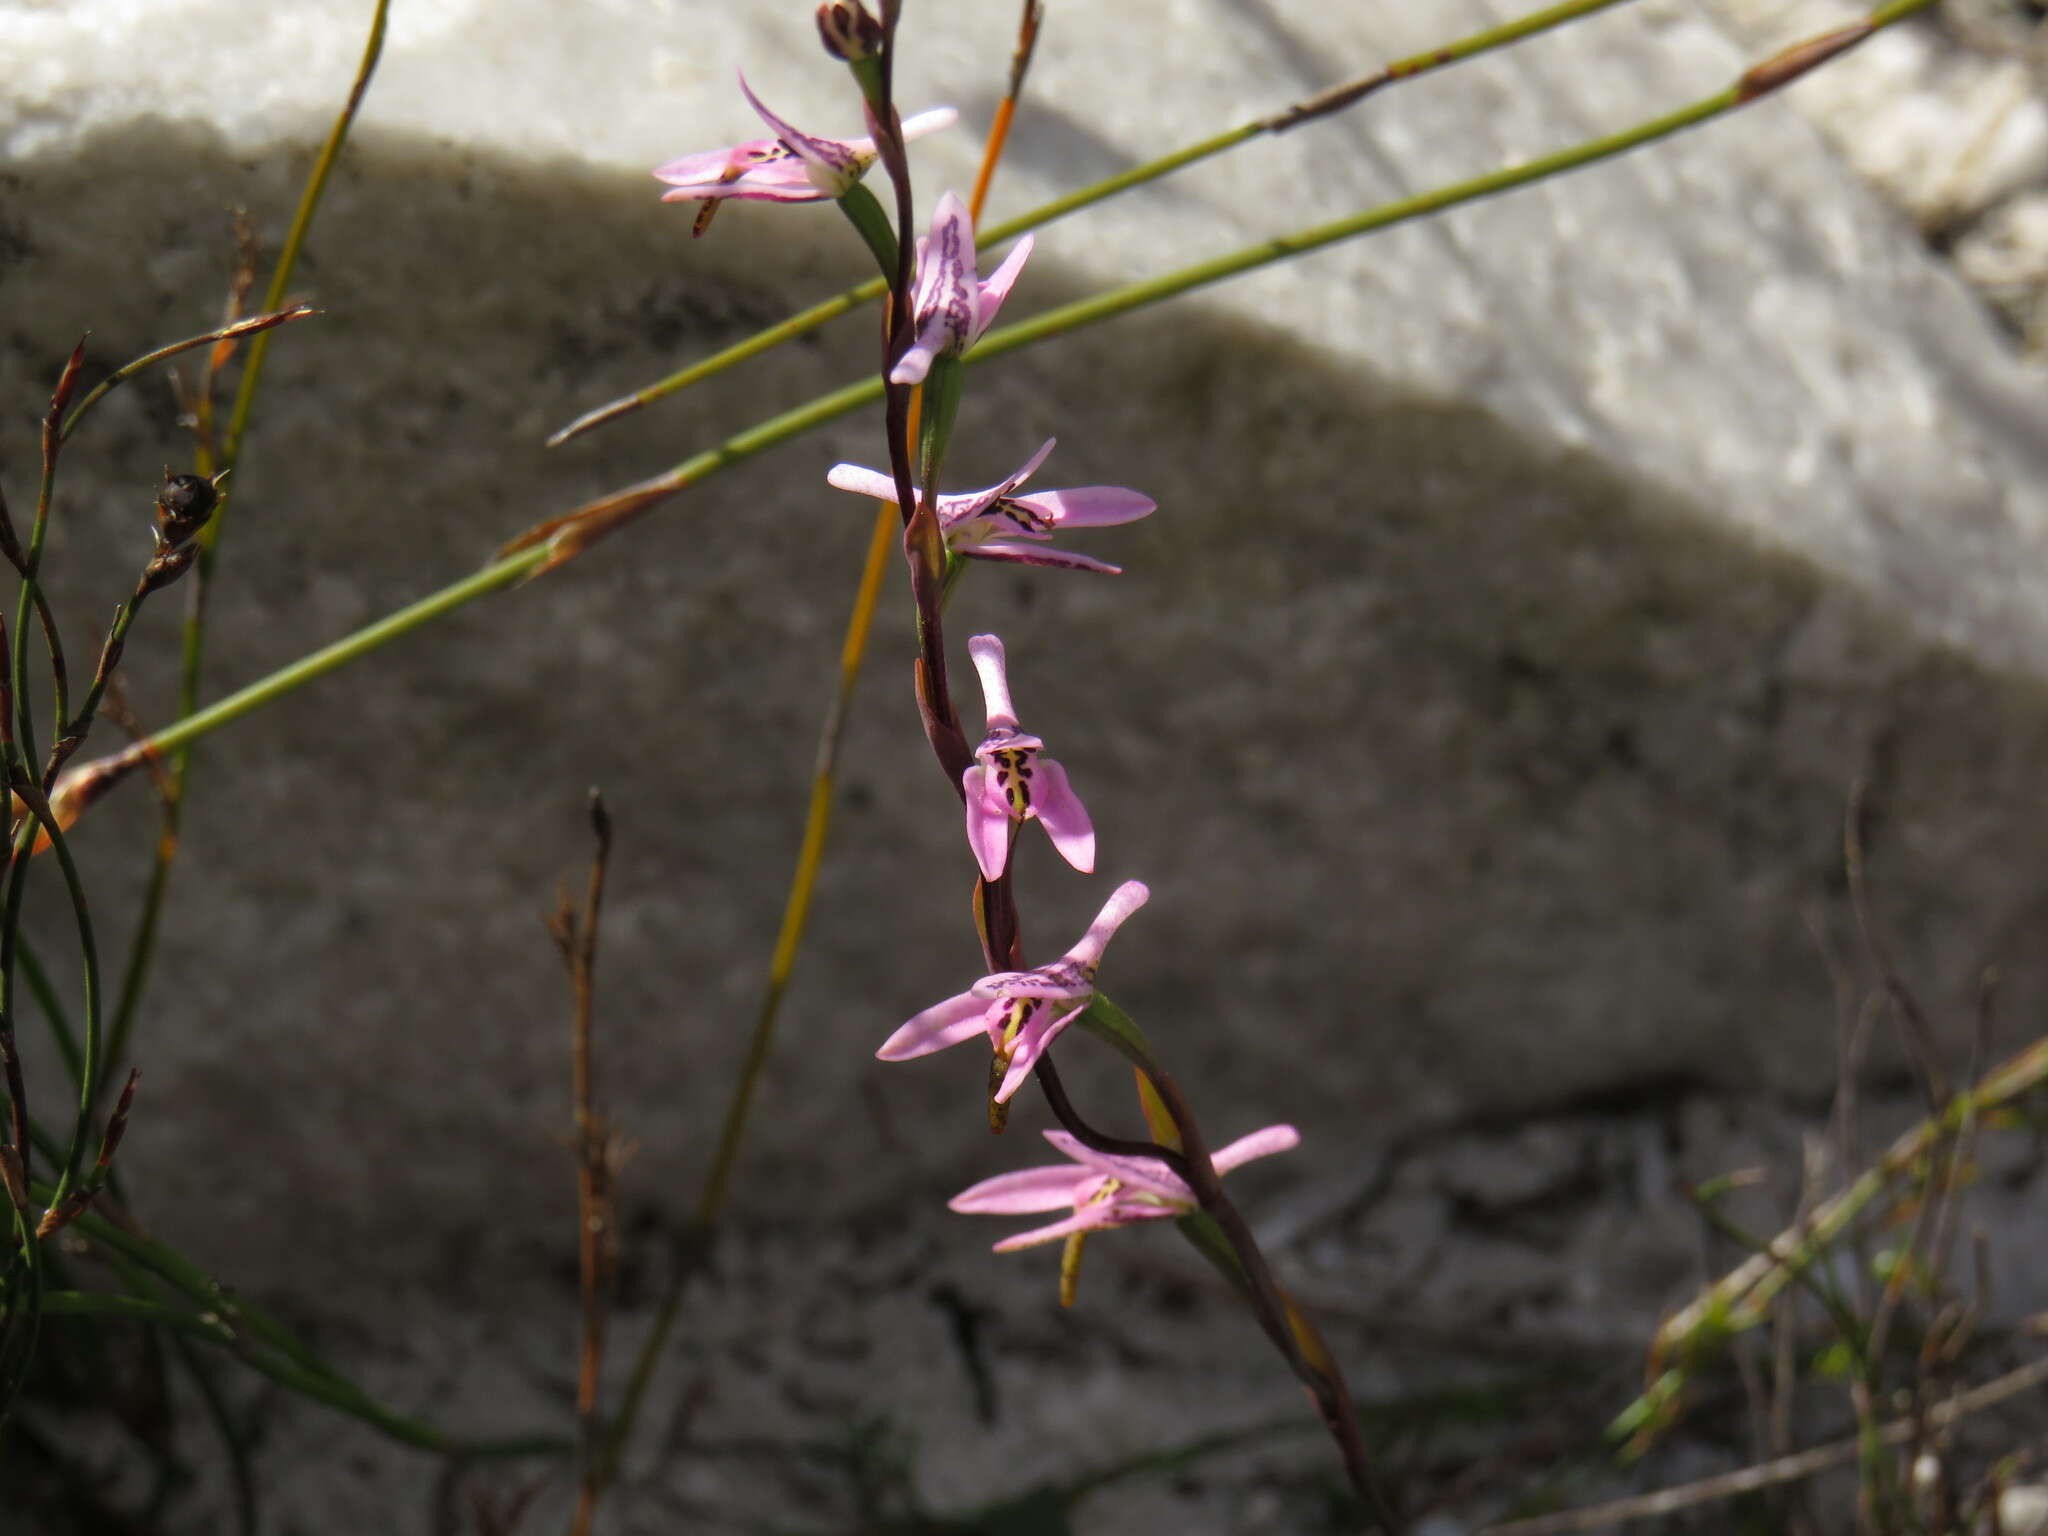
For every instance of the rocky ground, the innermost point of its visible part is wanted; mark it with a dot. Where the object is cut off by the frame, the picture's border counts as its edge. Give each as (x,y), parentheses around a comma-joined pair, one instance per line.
(1491,1287)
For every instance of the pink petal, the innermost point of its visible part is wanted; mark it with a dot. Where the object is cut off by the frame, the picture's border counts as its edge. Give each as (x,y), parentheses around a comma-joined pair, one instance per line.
(837,165)
(862,482)
(1087,1219)
(1262,1143)
(1026,1192)
(1089,506)
(988,824)
(759,169)
(1030,1046)
(931,120)
(944,1024)
(1030,468)
(990,299)
(943,303)
(1123,901)
(990,665)
(1064,817)
(967,507)
(1146,1173)
(913,365)
(707,168)
(757,190)
(1034,984)
(952,237)
(1031,554)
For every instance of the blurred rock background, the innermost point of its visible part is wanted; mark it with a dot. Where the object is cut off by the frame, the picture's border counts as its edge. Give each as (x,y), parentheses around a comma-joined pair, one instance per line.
(1530,586)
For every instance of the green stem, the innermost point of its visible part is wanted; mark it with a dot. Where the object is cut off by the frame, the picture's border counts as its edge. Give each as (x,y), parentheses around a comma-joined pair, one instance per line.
(867,217)
(192,647)
(89,956)
(492,578)
(141,950)
(252,326)
(1338,97)
(1330,101)
(54,1012)
(321,1388)
(1136,296)
(20,1319)
(266,1343)
(241,1468)
(294,243)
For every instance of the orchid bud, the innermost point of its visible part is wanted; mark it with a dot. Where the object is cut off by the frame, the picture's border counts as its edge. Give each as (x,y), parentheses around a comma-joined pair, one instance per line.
(848,32)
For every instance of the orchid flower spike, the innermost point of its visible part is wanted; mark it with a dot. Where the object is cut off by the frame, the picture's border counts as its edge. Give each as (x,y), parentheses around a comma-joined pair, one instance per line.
(790,167)
(949,308)
(1022,1012)
(1103,1190)
(995,524)
(1010,782)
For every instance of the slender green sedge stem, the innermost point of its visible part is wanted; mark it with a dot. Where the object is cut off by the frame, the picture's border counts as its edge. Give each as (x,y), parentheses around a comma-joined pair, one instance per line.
(817,827)
(295,242)
(142,948)
(326,1389)
(532,558)
(1742,1298)
(241,1466)
(54,1013)
(89,956)
(23,702)
(1507,33)
(21,1315)
(245,1325)
(1322,105)
(253,326)
(192,643)
(788,941)
(492,578)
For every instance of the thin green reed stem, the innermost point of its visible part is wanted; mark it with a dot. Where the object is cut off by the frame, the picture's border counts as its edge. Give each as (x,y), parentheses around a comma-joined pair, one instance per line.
(492,578)
(89,957)
(142,948)
(1330,101)
(138,1282)
(294,243)
(252,326)
(1076,316)
(21,1316)
(326,1389)
(31,596)
(192,640)
(1123,301)
(1506,34)
(269,1346)
(55,1015)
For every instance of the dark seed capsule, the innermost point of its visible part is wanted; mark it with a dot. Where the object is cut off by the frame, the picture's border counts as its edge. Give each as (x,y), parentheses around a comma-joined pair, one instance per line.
(183,505)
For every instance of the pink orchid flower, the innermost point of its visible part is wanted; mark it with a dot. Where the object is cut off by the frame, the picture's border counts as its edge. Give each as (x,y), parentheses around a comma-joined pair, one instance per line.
(1102,1190)
(996,525)
(1022,1012)
(1011,782)
(949,307)
(791,167)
